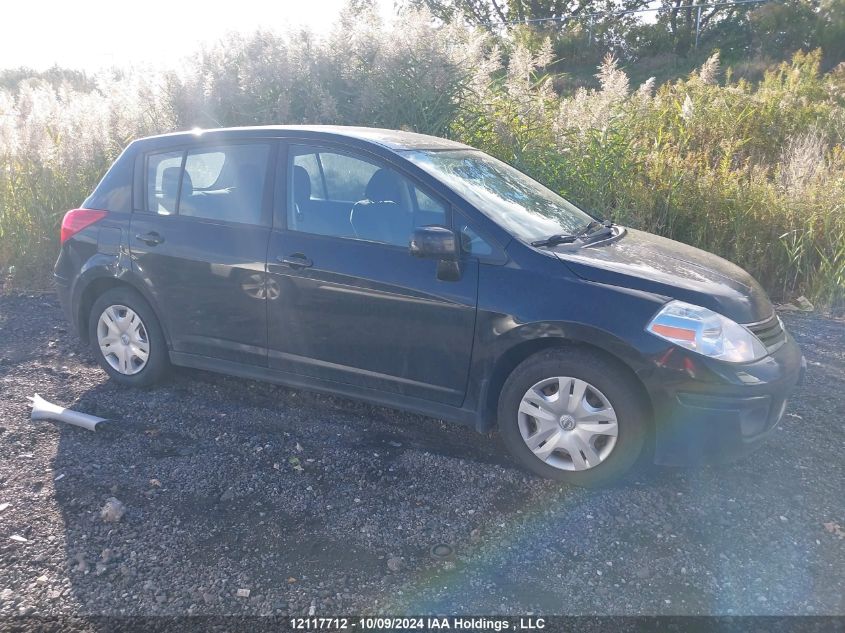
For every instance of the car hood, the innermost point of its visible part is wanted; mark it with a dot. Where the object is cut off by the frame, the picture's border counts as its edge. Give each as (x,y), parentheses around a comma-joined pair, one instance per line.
(647,262)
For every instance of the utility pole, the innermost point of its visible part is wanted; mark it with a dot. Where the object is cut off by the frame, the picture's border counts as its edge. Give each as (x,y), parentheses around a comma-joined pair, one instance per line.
(697,25)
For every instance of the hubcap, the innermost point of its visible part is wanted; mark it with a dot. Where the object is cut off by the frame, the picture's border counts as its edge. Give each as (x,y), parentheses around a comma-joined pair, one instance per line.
(123,339)
(568,423)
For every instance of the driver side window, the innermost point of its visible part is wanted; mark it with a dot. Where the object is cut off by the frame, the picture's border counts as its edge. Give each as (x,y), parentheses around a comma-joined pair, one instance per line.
(341,195)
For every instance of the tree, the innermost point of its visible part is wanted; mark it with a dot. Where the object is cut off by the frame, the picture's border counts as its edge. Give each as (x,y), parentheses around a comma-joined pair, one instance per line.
(831,28)
(497,15)
(682,20)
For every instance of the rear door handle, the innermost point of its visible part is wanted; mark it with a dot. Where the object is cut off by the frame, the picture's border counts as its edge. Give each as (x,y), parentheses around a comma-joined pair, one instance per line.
(297,260)
(150,239)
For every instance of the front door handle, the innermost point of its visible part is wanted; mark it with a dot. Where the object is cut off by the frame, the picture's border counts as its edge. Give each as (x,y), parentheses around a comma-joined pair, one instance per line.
(150,239)
(297,260)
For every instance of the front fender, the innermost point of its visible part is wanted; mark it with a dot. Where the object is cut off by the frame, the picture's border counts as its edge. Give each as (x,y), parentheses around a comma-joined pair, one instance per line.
(574,333)
(520,315)
(521,341)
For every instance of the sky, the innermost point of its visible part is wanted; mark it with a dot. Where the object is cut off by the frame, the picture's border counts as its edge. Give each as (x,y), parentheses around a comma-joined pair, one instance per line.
(93,34)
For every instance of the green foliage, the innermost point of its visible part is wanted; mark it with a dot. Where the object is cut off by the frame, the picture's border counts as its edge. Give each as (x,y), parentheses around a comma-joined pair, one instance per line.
(362,74)
(831,24)
(753,171)
(667,40)
(494,15)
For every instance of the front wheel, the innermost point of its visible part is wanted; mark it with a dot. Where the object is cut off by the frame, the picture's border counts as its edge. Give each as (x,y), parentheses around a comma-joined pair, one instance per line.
(126,338)
(572,416)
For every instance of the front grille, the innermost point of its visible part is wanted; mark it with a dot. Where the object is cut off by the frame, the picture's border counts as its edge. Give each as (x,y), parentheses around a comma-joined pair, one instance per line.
(770,332)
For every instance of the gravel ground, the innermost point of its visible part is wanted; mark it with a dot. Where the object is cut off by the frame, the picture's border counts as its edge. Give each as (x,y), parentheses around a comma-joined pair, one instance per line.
(240,497)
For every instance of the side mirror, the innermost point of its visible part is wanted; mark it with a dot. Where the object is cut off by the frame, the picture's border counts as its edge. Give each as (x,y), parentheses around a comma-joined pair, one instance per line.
(434,242)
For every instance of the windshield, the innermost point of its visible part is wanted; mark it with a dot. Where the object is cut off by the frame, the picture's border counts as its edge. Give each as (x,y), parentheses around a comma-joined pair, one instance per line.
(516,202)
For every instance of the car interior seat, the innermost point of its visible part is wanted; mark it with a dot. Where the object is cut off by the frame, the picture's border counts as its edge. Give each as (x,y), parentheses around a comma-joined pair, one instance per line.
(383,215)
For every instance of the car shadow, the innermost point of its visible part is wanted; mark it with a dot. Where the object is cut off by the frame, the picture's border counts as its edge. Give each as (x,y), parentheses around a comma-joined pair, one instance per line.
(230,484)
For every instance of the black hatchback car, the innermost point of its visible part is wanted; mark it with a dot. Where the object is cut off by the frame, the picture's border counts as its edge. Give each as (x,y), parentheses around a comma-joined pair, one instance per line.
(422,274)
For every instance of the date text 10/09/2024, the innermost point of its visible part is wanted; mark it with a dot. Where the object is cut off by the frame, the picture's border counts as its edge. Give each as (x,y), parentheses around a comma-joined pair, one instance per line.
(434,623)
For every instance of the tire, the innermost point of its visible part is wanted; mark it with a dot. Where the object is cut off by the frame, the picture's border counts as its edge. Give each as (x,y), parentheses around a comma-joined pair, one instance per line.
(606,384)
(136,374)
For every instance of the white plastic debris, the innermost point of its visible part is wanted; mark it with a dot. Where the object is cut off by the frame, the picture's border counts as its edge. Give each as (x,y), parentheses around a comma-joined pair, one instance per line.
(43,410)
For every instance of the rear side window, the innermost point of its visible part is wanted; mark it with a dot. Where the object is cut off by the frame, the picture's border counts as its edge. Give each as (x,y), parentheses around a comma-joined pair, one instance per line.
(163,172)
(204,168)
(312,167)
(224,183)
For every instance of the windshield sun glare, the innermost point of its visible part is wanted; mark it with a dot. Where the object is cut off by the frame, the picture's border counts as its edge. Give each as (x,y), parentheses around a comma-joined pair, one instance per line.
(518,203)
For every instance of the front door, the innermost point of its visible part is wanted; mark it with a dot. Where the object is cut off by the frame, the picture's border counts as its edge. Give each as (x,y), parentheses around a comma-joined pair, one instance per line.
(353,306)
(201,246)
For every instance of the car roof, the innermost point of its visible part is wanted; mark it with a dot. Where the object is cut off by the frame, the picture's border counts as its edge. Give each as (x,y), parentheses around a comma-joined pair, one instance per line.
(395,140)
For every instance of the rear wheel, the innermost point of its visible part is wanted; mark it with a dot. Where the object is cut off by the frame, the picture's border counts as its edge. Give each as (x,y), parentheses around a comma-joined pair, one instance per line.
(126,338)
(572,416)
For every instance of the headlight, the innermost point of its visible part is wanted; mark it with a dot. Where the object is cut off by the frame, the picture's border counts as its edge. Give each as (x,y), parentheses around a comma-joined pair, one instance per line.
(706,332)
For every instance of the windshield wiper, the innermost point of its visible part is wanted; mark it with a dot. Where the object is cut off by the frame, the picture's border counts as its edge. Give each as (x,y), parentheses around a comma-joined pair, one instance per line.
(593,228)
(554,240)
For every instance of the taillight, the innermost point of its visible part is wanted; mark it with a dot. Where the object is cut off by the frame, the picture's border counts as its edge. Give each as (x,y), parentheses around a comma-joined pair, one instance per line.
(77,219)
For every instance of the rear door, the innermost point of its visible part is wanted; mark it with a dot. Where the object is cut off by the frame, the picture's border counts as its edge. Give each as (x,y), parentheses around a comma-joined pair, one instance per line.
(353,305)
(200,243)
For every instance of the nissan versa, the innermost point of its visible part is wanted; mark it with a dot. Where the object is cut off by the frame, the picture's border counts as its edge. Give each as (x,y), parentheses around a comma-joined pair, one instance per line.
(422,274)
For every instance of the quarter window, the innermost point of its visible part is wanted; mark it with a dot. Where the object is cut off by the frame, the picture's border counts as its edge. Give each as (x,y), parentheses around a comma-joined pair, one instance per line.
(337,194)
(473,243)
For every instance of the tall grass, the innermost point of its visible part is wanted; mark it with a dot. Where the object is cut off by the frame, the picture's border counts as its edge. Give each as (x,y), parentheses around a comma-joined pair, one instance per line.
(55,144)
(753,172)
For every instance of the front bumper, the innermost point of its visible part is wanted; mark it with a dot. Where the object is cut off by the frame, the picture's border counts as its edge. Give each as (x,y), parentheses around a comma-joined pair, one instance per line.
(711,411)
